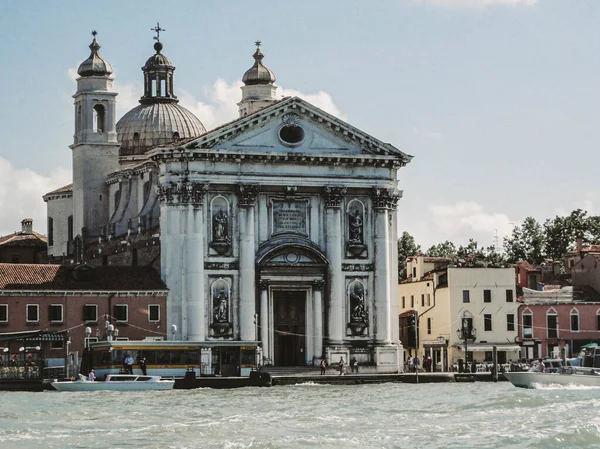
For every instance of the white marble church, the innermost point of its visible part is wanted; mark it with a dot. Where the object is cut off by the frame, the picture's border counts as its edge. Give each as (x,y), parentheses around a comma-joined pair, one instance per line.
(278,227)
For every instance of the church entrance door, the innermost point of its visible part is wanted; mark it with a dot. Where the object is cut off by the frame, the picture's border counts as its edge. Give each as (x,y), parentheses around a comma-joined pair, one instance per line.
(289,316)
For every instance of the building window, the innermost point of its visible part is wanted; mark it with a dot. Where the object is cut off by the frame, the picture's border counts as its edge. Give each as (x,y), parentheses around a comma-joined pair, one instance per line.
(90,312)
(134,257)
(527,325)
(510,322)
(70,228)
(574,320)
(509,296)
(428,299)
(423,300)
(552,324)
(50,231)
(466,297)
(598,320)
(404,302)
(487,322)
(3,313)
(153,312)
(57,344)
(412,301)
(55,313)
(121,312)
(33,313)
(487,296)
(414,272)
(429,326)
(99,118)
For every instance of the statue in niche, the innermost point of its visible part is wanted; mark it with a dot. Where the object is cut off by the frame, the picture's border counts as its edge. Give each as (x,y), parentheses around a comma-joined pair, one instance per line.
(357,305)
(356,227)
(220,310)
(220,226)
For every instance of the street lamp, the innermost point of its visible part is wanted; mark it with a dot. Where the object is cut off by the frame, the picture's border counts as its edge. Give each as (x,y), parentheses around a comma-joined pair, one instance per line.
(88,332)
(173,331)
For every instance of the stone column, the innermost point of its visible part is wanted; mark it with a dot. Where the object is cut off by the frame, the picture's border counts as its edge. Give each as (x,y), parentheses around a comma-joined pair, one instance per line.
(334,197)
(246,199)
(382,201)
(170,263)
(318,317)
(193,273)
(264,319)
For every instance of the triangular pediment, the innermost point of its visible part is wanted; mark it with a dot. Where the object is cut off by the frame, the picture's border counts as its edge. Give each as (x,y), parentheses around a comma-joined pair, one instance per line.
(293,125)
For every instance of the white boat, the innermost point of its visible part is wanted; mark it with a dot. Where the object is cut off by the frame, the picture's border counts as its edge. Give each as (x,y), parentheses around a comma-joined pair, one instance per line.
(116,382)
(530,379)
(585,371)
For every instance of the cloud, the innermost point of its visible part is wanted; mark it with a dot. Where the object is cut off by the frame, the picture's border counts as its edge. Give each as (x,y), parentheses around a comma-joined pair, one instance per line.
(478,3)
(21,193)
(458,223)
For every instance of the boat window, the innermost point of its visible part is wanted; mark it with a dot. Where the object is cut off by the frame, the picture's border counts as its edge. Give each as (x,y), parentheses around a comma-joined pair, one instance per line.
(121,378)
(177,357)
(162,357)
(143,379)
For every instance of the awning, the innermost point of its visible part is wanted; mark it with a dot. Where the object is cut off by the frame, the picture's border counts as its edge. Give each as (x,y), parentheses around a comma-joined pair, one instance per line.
(483,348)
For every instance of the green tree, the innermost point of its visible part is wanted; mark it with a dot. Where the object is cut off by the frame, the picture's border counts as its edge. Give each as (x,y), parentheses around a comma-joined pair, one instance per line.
(494,258)
(446,249)
(527,242)
(470,249)
(561,232)
(406,248)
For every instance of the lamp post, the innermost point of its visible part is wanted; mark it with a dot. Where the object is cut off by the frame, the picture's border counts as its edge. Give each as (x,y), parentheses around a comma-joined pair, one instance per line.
(173,331)
(88,332)
(464,333)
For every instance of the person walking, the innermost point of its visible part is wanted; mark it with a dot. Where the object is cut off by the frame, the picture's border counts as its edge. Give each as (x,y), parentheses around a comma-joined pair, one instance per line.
(342,364)
(323,366)
(92,375)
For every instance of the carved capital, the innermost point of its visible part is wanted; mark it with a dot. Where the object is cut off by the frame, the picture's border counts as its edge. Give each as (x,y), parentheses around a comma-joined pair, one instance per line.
(385,199)
(318,285)
(334,196)
(263,284)
(185,192)
(247,194)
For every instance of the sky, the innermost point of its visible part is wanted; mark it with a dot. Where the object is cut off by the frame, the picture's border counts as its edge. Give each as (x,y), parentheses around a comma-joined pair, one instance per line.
(495,99)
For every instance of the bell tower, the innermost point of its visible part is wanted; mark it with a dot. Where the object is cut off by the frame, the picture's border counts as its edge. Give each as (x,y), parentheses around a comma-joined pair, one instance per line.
(95,147)
(259,89)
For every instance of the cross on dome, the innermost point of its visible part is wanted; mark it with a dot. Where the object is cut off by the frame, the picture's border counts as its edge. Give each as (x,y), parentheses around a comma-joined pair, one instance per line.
(257,43)
(157,29)
(94,33)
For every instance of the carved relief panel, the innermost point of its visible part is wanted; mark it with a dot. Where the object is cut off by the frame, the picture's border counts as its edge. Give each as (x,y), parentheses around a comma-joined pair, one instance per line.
(220,317)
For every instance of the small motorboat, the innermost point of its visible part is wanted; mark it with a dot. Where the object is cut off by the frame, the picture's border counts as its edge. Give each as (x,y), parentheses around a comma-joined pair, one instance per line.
(116,382)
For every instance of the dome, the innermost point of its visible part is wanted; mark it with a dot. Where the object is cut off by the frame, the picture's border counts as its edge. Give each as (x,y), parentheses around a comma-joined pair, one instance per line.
(149,125)
(258,73)
(94,65)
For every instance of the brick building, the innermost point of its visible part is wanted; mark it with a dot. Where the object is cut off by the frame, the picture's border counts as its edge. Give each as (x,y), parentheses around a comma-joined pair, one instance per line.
(26,246)
(65,298)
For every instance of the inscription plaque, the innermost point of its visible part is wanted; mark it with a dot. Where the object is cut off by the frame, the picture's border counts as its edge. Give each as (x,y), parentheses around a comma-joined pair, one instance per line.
(289,217)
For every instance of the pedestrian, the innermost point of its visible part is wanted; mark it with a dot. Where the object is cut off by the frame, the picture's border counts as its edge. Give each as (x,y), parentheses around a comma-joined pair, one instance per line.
(128,363)
(411,364)
(342,364)
(417,362)
(354,365)
(92,375)
(143,365)
(323,366)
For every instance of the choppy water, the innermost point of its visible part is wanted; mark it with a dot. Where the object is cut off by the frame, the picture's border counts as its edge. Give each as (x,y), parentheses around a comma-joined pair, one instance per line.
(305,416)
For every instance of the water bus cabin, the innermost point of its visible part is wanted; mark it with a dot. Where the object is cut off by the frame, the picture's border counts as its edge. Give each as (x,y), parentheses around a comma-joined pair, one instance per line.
(172,358)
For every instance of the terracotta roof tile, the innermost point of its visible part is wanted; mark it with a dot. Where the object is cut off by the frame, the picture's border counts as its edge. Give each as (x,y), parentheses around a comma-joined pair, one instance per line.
(61,277)
(22,239)
(64,189)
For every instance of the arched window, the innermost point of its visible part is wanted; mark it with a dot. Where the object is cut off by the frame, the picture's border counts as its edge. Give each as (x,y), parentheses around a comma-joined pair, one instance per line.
(552,323)
(70,228)
(136,139)
(574,320)
(99,118)
(175,135)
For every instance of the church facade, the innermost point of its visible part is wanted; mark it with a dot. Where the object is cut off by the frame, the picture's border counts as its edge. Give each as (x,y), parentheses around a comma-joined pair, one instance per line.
(278,228)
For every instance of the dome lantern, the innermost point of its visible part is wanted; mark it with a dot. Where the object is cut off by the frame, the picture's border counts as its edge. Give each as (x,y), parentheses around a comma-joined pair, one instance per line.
(94,65)
(258,73)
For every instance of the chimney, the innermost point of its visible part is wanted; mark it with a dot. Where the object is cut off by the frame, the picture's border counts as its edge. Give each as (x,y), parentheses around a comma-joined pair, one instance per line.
(579,245)
(27,226)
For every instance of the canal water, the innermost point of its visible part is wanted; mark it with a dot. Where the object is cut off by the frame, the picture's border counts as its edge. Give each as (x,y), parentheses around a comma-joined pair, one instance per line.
(460,415)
